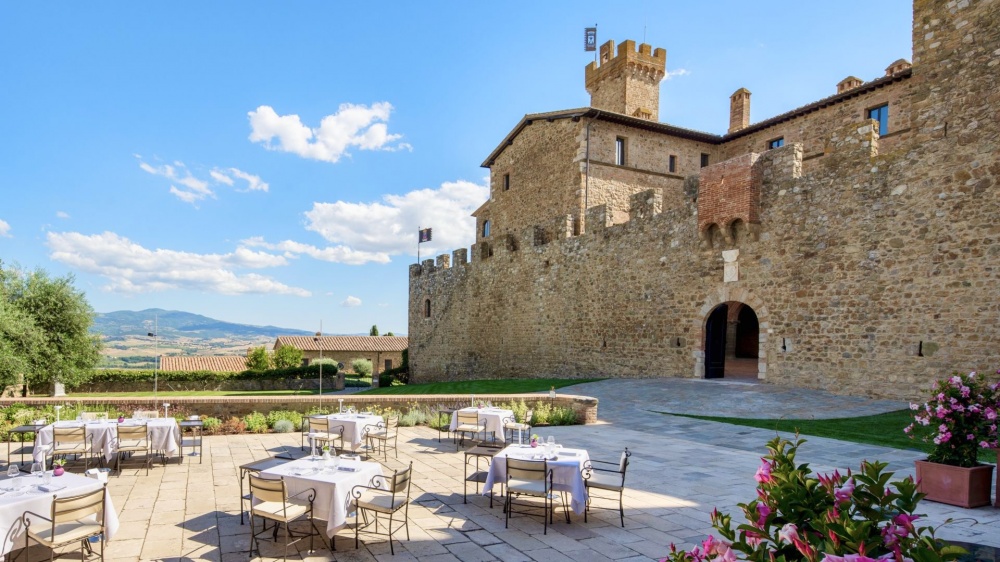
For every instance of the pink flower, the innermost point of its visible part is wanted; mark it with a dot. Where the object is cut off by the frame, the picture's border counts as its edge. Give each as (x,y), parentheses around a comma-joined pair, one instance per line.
(970,437)
(914,407)
(905,520)
(763,474)
(908,428)
(984,444)
(991,414)
(762,512)
(844,492)
(788,532)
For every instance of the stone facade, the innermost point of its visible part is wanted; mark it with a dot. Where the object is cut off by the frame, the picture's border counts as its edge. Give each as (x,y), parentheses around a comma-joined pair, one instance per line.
(871,259)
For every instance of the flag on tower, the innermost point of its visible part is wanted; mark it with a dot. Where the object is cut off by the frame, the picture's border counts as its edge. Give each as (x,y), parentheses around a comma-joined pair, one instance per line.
(590,39)
(425,236)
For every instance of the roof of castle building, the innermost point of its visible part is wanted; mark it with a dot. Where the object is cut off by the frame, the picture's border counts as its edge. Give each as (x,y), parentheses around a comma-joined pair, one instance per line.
(227,363)
(344,343)
(690,134)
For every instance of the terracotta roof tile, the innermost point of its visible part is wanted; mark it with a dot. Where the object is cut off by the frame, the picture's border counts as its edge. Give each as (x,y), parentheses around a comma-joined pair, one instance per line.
(203,363)
(344,343)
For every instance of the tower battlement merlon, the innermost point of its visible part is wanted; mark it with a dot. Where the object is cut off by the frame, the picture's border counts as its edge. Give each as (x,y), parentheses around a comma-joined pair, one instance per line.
(627,81)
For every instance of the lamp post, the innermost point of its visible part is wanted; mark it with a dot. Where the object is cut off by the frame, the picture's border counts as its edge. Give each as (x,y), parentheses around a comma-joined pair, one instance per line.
(319,342)
(156,355)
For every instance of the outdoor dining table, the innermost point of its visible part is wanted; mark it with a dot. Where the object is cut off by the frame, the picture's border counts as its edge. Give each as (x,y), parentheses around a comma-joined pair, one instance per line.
(333,485)
(354,426)
(494,420)
(567,466)
(13,504)
(164,435)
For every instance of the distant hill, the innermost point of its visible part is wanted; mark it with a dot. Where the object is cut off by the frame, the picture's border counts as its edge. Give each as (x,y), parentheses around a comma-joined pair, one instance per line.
(176,324)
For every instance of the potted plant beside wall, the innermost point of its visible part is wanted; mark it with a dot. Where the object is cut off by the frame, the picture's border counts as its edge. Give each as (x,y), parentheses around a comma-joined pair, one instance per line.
(960,418)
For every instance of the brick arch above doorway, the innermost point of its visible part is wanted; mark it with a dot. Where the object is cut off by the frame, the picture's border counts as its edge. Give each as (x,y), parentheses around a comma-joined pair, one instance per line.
(732,294)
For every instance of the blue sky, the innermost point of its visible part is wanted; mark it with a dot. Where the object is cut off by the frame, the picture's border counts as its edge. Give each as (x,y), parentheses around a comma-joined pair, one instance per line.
(269,163)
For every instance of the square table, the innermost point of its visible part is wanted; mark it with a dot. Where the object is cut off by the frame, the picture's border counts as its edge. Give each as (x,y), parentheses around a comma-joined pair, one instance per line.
(21,430)
(494,420)
(14,504)
(354,426)
(333,487)
(164,435)
(566,471)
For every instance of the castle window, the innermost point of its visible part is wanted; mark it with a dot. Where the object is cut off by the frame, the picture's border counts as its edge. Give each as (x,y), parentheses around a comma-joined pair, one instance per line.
(506,182)
(672,164)
(704,159)
(776,143)
(486,228)
(620,151)
(880,114)
(427,308)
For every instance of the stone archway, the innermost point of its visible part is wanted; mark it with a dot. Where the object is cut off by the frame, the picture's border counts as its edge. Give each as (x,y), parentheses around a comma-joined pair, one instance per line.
(738,305)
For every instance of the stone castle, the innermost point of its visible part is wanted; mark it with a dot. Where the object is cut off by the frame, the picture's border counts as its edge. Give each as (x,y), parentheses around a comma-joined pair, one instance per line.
(851,244)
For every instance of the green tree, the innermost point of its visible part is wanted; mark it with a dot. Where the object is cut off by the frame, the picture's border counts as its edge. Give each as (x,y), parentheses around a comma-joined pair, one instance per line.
(390,334)
(287,356)
(49,337)
(374,330)
(258,359)
(362,367)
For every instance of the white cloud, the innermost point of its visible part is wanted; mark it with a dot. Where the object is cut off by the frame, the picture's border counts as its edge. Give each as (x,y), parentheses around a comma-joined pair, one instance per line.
(336,254)
(194,189)
(62,214)
(351,302)
(5,229)
(360,126)
(131,268)
(675,73)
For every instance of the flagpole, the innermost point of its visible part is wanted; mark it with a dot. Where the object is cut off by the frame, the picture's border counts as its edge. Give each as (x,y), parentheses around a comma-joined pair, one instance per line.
(418,244)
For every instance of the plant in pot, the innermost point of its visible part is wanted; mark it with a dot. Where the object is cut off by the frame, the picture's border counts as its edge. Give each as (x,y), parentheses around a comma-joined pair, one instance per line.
(959,419)
(58,467)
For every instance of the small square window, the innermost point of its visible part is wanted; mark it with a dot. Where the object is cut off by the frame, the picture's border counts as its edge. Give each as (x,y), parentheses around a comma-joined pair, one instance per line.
(704,159)
(672,164)
(620,151)
(776,143)
(506,182)
(880,114)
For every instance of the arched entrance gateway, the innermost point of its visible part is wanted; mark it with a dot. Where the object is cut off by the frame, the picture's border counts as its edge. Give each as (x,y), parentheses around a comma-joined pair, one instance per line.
(734,336)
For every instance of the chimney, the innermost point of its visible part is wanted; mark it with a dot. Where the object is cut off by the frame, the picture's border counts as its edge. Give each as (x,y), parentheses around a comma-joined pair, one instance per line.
(897,67)
(848,83)
(739,110)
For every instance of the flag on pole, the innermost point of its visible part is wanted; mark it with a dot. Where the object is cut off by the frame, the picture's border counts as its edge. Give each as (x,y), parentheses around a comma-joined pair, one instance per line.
(590,39)
(425,236)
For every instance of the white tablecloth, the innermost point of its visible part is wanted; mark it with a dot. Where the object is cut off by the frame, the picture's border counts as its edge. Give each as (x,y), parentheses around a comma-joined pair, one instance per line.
(31,499)
(164,433)
(494,419)
(333,488)
(354,426)
(566,476)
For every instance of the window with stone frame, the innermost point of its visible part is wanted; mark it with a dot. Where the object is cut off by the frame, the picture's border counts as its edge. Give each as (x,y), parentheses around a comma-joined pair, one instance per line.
(704,159)
(620,151)
(486,228)
(672,163)
(776,143)
(880,114)
(506,182)
(427,308)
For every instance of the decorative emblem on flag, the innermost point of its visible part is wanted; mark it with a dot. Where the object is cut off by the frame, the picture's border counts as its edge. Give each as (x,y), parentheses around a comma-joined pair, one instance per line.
(590,39)
(425,235)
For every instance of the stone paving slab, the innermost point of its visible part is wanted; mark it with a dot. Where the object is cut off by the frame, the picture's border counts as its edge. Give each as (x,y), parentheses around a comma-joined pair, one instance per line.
(681,469)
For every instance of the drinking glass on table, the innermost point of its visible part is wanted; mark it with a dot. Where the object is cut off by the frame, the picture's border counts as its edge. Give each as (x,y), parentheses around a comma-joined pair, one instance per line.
(36,470)
(13,471)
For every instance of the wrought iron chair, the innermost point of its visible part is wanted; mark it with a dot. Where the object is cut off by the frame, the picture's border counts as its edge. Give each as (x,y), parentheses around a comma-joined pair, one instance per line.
(319,428)
(373,500)
(533,479)
(269,499)
(74,441)
(133,439)
(469,422)
(73,519)
(510,425)
(378,436)
(610,479)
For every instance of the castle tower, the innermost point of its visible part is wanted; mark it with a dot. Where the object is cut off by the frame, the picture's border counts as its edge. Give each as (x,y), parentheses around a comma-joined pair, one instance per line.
(627,82)
(739,110)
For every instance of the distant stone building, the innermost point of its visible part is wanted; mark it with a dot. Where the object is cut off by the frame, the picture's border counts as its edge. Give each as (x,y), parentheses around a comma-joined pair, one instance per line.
(385,352)
(851,244)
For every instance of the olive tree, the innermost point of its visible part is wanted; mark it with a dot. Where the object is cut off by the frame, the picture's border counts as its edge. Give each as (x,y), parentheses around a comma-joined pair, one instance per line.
(258,359)
(286,357)
(362,367)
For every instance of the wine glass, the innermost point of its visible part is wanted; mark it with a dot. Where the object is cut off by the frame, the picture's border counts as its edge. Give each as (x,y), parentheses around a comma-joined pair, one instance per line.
(36,470)
(13,471)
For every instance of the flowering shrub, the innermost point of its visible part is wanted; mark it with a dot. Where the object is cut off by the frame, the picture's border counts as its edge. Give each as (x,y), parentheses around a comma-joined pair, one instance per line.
(835,517)
(960,418)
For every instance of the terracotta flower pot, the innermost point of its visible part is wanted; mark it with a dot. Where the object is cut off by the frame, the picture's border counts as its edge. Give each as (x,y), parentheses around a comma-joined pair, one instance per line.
(955,485)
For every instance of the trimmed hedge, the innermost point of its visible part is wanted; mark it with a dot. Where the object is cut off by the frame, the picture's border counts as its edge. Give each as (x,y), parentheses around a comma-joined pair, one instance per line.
(147,375)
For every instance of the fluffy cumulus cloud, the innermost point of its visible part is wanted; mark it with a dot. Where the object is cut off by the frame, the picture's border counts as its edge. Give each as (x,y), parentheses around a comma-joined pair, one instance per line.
(62,214)
(132,268)
(351,302)
(373,232)
(361,126)
(675,73)
(193,189)
(4,228)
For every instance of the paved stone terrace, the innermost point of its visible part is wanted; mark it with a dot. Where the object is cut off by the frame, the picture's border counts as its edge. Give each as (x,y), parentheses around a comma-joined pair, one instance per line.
(681,469)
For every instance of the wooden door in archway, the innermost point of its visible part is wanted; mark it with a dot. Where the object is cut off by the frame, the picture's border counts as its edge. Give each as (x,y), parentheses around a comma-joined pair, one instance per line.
(715,342)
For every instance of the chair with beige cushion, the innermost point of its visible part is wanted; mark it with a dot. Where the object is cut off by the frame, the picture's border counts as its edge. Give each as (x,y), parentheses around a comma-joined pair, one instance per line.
(72,519)
(469,422)
(133,439)
(512,426)
(270,500)
(373,500)
(611,478)
(532,479)
(323,434)
(379,435)
(73,441)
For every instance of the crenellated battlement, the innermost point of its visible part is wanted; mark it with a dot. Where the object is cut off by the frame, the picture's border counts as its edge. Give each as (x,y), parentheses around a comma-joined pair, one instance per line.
(627,82)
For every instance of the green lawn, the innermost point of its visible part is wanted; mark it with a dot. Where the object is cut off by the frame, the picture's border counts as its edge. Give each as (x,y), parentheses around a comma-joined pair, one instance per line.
(505,386)
(885,430)
(169,393)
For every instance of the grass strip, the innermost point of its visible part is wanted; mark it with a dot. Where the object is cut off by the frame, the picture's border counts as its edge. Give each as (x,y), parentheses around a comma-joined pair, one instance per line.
(501,386)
